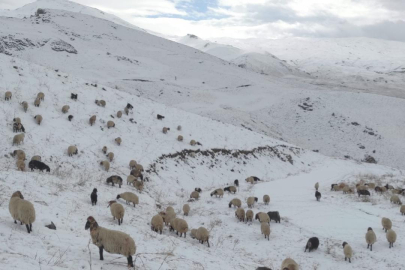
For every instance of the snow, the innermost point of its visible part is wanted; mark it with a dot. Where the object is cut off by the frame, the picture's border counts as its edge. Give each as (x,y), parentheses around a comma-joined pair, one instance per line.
(179,76)
(264,63)
(30,9)
(210,98)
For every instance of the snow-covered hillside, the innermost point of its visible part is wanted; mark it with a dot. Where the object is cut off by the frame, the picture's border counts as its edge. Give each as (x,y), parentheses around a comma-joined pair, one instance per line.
(352,64)
(335,122)
(227,153)
(264,63)
(30,9)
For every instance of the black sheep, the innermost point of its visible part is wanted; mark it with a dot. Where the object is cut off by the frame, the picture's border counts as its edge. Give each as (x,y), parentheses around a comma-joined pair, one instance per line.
(73,96)
(70,117)
(274,215)
(35,164)
(318,195)
(363,192)
(129,106)
(236,182)
(160,117)
(332,186)
(198,190)
(312,244)
(93,197)
(378,189)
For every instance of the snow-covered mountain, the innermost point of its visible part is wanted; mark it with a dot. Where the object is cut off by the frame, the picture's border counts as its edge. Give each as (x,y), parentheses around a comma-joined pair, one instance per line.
(242,120)
(353,64)
(263,63)
(327,118)
(30,9)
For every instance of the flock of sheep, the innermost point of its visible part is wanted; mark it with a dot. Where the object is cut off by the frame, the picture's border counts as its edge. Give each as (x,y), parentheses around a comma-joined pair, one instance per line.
(108,240)
(120,243)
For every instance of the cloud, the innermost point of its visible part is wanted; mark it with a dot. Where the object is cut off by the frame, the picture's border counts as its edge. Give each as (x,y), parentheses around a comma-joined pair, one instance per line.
(258,18)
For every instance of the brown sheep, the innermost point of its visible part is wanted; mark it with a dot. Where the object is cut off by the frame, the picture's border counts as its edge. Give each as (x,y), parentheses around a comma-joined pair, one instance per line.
(92,120)
(119,114)
(110,124)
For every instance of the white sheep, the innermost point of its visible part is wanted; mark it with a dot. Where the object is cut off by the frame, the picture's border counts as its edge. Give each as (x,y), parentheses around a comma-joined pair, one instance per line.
(262,217)
(218,192)
(251,201)
(240,214)
(235,202)
(105,164)
(110,124)
(118,140)
(72,150)
(119,114)
(20,154)
(316,186)
(117,211)
(129,197)
(391,237)
(38,118)
(37,102)
(110,156)
(186,209)
(8,95)
(157,223)
(347,251)
(179,225)
(371,238)
(265,228)
(20,165)
(266,199)
(132,164)
(65,108)
(37,158)
(104,149)
(180,138)
(113,242)
(249,215)
(386,223)
(41,96)
(195,195)
(25,105)
(402,209)
(101,103)
(201,234)
(131,179)
(18,139)
(395,200)
(289,264)
(22,210)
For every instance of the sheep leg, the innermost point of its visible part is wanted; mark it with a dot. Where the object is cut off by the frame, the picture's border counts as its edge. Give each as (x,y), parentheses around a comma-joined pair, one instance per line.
(184,235)
(28,228)
(371,247)
(350,260)
(20,222)
(130,263)
(101,253)
(15,221)
(345,258)
(208,243)
(119,222)
(31,227)
(122,220)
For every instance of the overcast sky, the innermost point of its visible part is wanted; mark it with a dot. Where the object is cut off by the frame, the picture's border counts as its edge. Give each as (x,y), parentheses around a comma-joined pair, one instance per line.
(258,18)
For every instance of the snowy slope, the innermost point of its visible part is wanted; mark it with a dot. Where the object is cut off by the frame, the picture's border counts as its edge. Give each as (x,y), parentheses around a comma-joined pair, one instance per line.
(355,64)
(30,9)
(331,119)
(264,63)
(62,196)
